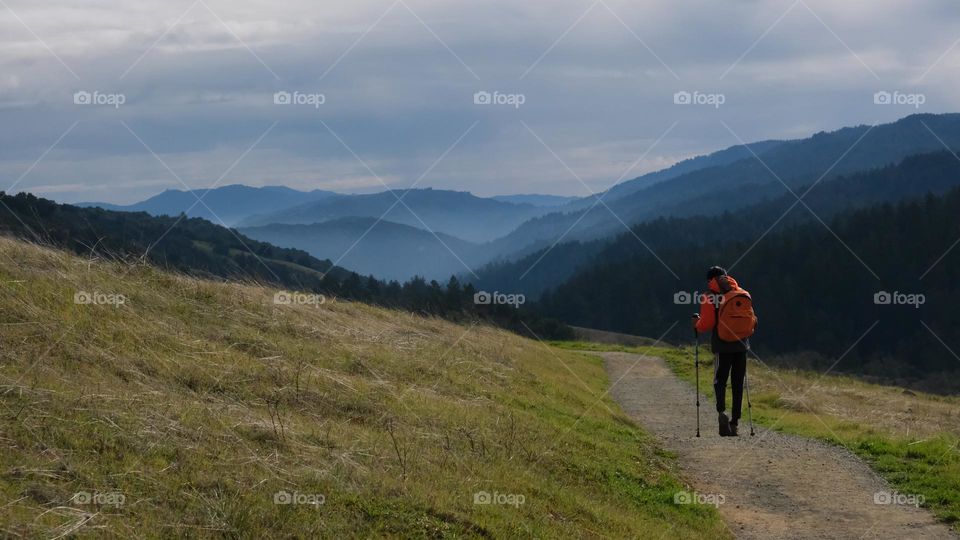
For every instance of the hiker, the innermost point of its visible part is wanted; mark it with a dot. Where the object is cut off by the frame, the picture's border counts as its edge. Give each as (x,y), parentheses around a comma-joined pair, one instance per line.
(728,314)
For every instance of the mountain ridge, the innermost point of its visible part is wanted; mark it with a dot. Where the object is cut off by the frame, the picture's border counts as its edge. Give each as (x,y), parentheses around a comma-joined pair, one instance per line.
(225,205)
(794,163)
(457,213)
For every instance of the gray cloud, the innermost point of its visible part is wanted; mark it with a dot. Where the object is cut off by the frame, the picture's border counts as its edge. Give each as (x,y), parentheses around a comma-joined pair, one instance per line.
(200,92)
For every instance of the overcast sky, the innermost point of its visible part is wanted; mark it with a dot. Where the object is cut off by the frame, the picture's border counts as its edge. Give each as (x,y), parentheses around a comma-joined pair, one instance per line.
(588,88)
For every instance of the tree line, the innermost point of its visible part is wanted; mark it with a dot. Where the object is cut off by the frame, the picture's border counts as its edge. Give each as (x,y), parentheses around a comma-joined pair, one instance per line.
(200,248)
(873,287)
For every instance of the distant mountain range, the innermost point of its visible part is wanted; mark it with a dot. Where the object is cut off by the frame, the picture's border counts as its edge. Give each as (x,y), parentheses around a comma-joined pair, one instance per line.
(718,188)
(332,225)
(457,213)
(413,236)
(376,247)
(535,199)
(224,205)
(716,159)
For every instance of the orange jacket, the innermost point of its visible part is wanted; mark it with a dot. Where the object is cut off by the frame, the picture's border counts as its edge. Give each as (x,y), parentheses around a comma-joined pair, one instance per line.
(708,310)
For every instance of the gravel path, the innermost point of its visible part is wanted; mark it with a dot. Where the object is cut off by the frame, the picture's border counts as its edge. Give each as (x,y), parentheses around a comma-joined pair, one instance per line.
(773,485)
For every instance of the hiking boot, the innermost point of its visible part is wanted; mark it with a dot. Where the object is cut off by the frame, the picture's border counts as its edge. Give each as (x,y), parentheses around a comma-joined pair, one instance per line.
(724,425)
(733,428)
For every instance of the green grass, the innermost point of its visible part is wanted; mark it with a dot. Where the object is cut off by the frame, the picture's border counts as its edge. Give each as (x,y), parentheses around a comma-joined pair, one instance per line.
(198,402)
(847,412)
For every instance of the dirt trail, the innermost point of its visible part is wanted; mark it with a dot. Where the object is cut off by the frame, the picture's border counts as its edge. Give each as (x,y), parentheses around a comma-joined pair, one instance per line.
(774,485)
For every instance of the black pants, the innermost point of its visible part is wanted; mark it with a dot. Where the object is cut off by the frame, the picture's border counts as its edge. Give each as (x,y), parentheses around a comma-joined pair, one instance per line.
(723,364)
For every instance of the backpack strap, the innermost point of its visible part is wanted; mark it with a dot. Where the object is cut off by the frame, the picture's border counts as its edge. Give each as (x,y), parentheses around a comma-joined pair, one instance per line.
(716,310)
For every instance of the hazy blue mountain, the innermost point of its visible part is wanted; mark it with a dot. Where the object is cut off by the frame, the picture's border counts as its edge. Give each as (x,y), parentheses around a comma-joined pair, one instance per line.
(742,182)
(229,204)
(457,213)
(721,157)
(536,199)
(381,248)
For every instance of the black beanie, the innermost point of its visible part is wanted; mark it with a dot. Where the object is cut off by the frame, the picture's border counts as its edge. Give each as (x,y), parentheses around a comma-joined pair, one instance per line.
(715,271)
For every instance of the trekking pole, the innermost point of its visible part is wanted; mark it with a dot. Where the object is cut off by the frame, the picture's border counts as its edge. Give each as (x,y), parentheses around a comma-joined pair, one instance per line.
(696,362)
(746,383)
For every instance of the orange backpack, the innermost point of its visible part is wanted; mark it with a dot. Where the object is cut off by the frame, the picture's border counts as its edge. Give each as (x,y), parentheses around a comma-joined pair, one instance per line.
(736,320)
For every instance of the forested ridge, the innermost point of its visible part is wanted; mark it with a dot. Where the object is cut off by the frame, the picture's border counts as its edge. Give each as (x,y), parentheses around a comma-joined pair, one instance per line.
(814,285)
(915,176)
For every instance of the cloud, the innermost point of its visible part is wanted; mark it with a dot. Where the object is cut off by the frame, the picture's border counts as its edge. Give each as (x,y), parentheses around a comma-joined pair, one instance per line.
(398,80)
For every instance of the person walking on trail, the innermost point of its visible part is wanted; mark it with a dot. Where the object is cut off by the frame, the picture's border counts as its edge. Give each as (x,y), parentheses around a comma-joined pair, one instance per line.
(728,314)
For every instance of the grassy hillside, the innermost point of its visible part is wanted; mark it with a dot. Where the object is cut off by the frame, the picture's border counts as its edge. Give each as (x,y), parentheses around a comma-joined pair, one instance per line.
(203,249)
(909,438)
(198,408)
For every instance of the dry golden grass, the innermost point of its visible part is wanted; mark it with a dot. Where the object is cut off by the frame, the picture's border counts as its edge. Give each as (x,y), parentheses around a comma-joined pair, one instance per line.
(184,411)
(885,409)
